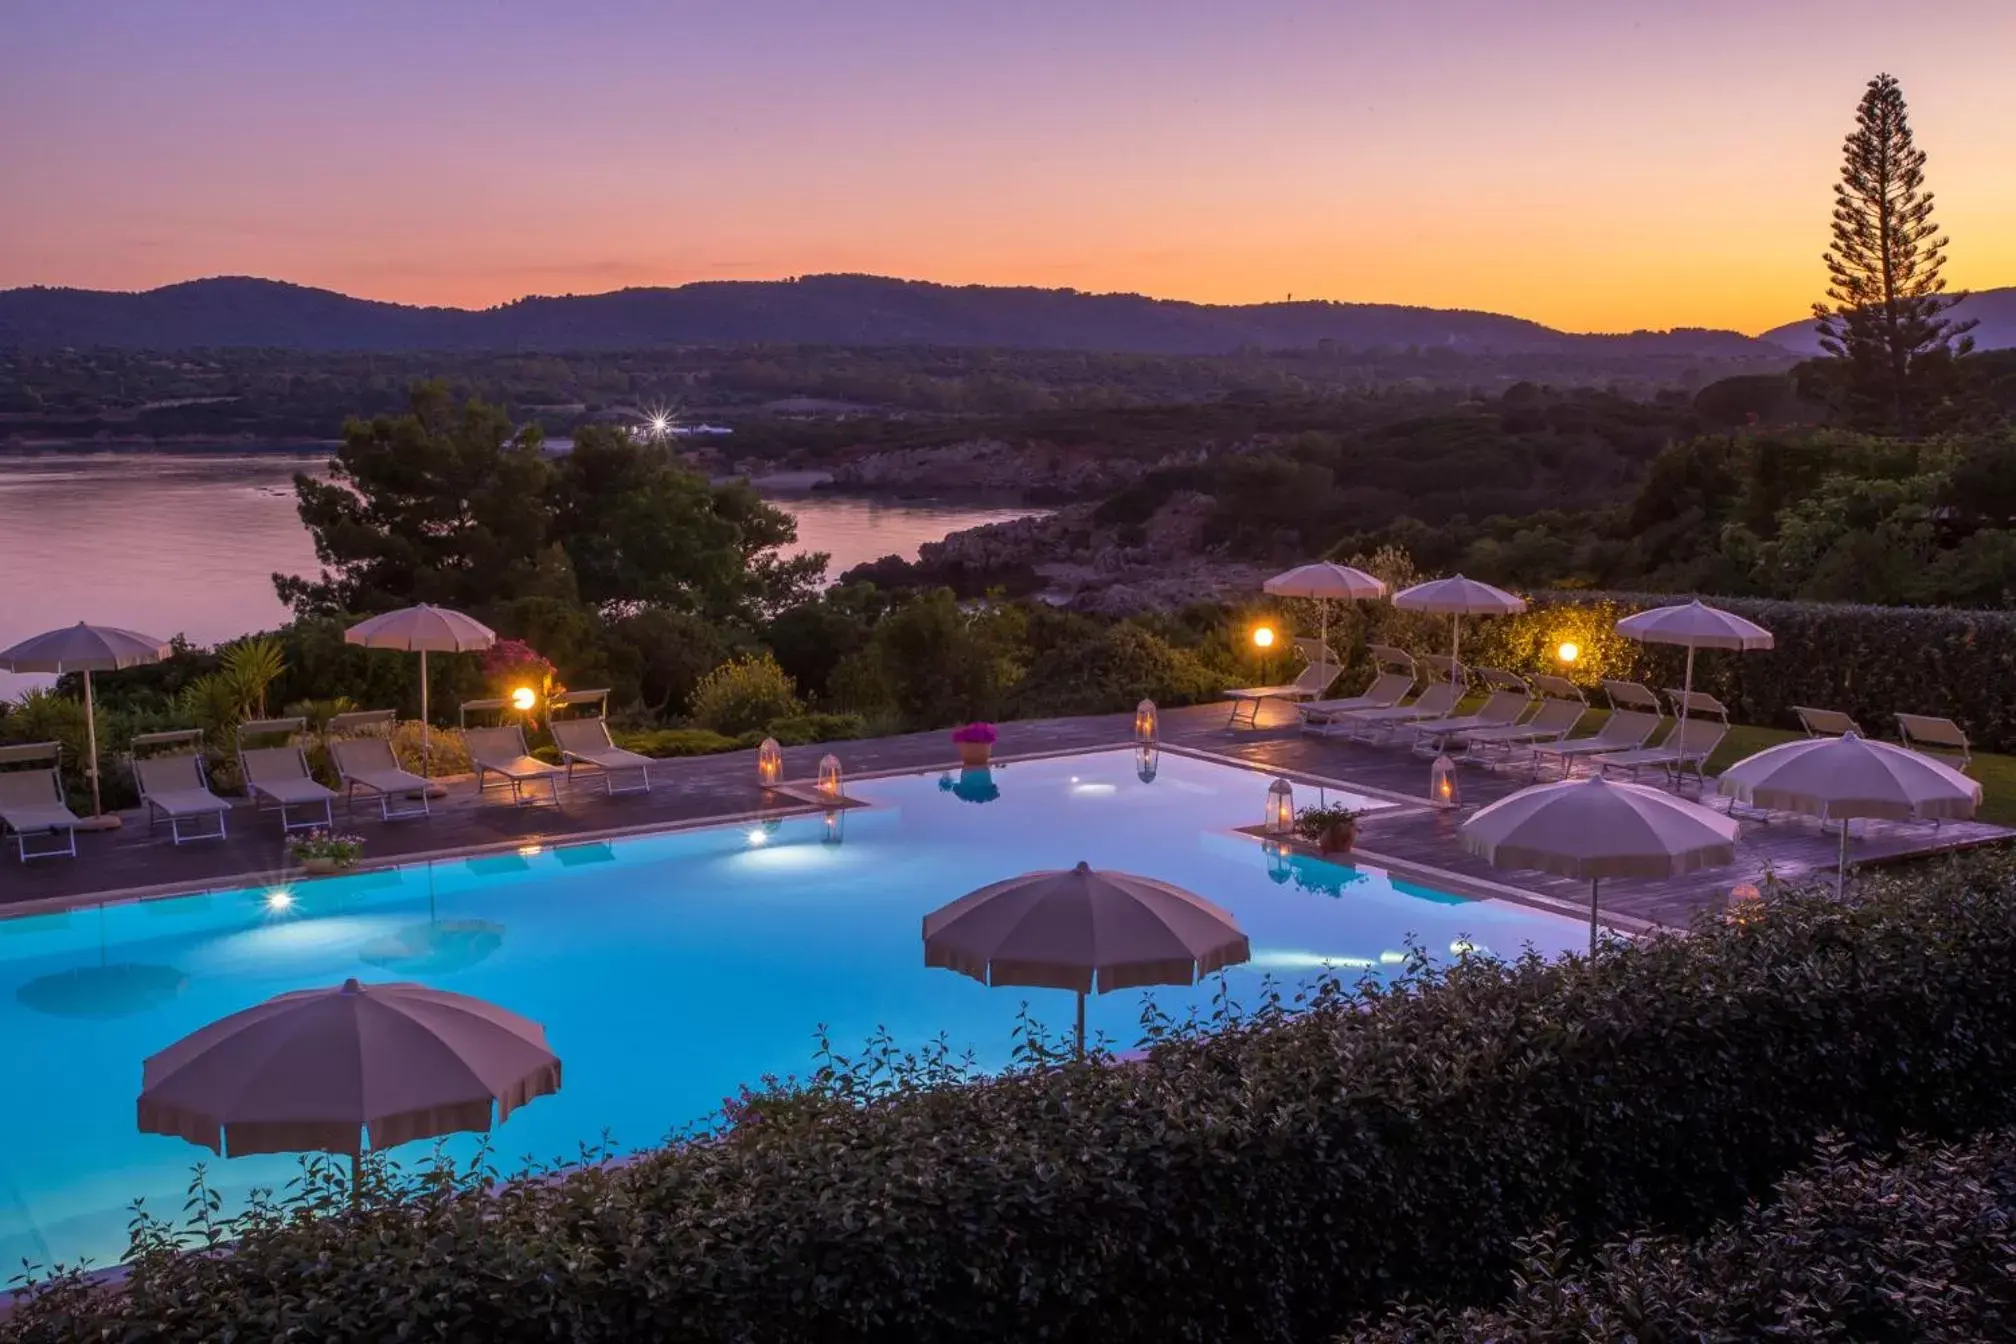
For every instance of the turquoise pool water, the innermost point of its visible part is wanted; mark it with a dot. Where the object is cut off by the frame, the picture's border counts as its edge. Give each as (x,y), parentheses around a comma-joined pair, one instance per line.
(666,969)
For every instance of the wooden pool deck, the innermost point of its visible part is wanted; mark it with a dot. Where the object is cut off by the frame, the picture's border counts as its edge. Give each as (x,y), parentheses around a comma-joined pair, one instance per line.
(1415,839)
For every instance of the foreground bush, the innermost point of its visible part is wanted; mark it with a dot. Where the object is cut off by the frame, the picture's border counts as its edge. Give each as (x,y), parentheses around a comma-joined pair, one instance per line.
(1270,1180)
(1922,1247)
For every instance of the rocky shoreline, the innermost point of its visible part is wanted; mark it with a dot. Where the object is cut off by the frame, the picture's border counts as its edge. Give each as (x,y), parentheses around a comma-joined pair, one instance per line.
(1070,559)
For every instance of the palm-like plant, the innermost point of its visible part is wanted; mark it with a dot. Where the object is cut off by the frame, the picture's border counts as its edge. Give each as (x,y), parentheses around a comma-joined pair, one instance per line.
(252,665)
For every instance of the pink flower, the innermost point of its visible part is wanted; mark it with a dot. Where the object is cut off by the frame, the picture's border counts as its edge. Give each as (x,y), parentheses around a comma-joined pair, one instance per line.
(976,732)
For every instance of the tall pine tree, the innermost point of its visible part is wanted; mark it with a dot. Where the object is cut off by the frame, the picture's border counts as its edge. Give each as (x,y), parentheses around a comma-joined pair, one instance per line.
(1885,324)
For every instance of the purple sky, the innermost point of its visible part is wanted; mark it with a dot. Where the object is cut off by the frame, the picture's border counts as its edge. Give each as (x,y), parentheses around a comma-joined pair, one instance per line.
(1592,163)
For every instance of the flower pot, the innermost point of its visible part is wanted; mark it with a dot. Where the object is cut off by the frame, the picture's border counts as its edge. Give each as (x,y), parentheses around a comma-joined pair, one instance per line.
(321,866)
(1339,838)
(975,755)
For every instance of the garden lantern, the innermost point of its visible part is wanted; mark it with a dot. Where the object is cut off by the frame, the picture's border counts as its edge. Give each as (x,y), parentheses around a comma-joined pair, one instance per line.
(1569,651)
(523,699)
(1442,785)
(1279,868)
(1280,808)
(1144,721)
(1263,637)
(1147,760)
(769,763)
(829,776)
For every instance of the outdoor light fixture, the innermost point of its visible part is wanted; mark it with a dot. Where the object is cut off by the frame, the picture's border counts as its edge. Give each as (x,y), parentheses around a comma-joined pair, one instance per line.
(1263,636)
(1280,808)
(523,699)
(1145,723)
(1147,760)
(757,835)
(531,851)
(279,899)
(829,776)
(1569,651)
(1442,786)
(769,762)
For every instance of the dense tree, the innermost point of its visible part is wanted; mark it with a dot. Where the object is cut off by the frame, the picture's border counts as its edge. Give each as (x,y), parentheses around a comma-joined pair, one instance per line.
(451,504)
(1885,315)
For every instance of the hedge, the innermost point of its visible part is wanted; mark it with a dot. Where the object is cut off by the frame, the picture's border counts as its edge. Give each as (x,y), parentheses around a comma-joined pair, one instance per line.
(1869,662)
(1272,1179)
(1919,1247)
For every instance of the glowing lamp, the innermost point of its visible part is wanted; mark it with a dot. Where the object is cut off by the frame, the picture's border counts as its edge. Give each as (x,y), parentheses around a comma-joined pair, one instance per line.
(1280,808)
(531,851)
(829,776)
(523,699)
(1147,760)
(279,899)
(1263,636)
(1145,721)
(1569,651)
(836,830)
(1442,785)
(769,762)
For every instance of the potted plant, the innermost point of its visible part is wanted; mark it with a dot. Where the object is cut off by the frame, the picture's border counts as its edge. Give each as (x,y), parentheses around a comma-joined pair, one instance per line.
(1331,829)
(976,744)
(321,852)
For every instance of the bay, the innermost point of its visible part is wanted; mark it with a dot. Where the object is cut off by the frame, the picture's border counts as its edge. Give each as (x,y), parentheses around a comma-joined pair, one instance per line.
(187,543)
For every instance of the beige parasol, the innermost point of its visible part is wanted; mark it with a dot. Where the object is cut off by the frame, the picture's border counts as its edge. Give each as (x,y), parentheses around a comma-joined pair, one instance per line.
(423,630)
(1325,582)
(1842,778)
(87,649)
(313,1070)
(1594,829)
(1457,597)
(1694,625)
(1084,930)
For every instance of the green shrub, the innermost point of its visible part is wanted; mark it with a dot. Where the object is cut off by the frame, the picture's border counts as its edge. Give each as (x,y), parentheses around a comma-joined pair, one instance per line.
(744,694)
(676,742)
(801,729)
(1854,1247)
(1869,662)
(1115,669)
(1270,1180)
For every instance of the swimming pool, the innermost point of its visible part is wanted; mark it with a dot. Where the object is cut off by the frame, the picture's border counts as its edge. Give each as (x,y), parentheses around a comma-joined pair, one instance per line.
(667,969)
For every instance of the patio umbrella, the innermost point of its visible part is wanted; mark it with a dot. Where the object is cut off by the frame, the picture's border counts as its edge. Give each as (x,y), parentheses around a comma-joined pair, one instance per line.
(1085,930)
(423,630)
(87,649)
(1841,778)
(1696,626)
(1457,597)
(1326,583)
(317,1070)
(1592,828)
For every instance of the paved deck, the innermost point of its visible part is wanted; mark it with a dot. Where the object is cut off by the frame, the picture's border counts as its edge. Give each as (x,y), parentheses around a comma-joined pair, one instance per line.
(129,862)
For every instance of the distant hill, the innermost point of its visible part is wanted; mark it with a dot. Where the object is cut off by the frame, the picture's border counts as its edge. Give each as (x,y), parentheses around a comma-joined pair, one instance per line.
(845,310)
(1994,309)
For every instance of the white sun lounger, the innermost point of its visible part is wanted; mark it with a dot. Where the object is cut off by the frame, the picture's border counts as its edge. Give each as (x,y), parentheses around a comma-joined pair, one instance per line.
(1624,730)
(1561,708)
(32,802)
(1826,722)
(1690,744)
(1503,708)
(1320,668)
(586,743)
(502,752)
(173,786)
(1387,689)
(368,763)
(1935,736)
(1434,703)
(280,775)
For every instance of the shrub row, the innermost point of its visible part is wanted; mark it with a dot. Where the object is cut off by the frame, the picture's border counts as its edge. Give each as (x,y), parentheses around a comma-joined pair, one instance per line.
(1918,1247)
(1269,1179)
(1870,662)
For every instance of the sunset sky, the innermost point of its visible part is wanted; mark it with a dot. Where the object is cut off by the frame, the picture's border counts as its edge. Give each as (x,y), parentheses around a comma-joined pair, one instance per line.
(1594,164)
